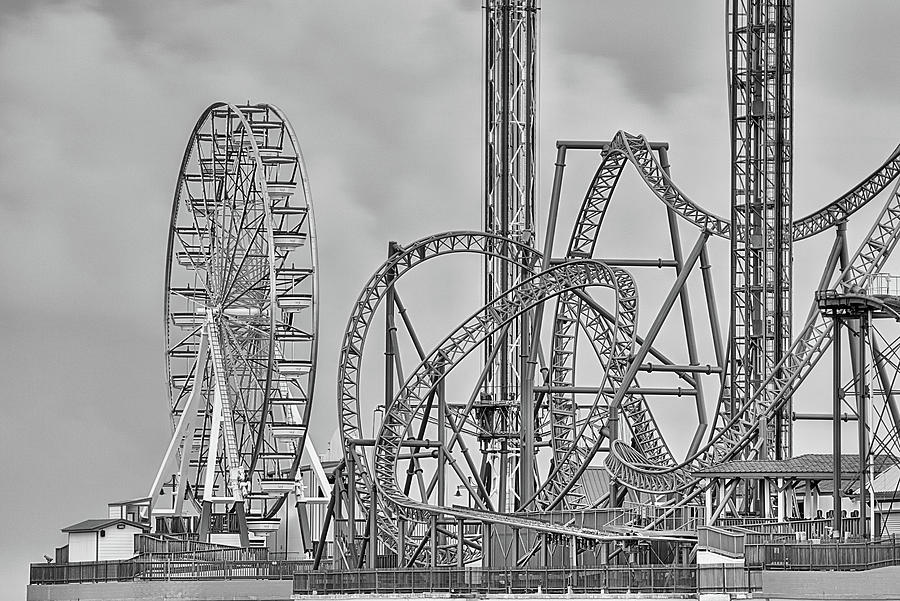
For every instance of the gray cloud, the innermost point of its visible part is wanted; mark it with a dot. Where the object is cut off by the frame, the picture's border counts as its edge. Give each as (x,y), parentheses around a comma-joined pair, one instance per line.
(657,48)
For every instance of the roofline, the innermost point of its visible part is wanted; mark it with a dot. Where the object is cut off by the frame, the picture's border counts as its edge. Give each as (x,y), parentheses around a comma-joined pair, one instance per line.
(103,524)
(131,501)
(759,475)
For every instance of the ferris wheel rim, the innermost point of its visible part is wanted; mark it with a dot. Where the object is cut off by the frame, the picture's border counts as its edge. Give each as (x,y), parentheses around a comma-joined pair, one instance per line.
(314,252)
(270,258)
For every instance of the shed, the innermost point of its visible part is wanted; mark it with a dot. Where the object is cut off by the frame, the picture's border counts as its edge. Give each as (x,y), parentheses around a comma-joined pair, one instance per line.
(103,540)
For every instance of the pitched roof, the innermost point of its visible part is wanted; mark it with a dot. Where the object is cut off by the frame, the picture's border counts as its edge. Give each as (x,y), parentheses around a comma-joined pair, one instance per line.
(94,525)
(812,466)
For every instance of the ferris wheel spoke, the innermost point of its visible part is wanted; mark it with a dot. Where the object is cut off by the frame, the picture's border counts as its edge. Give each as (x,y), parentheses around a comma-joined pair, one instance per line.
(232,279)
(253,368)
(234,267)
(260,303)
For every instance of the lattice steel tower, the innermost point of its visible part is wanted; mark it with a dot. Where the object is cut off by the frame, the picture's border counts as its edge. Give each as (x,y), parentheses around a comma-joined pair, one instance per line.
(510,165)
(760,49)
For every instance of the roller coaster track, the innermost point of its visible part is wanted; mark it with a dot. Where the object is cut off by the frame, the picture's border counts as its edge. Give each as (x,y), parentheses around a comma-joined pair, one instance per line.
(649,467)
(411,399)
(569,312)
(635,149)
(740,432)
(840,209)
(593,322)
(350,360)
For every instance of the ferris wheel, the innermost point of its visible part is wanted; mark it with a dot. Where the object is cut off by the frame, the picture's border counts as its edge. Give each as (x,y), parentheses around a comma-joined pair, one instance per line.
(241,317)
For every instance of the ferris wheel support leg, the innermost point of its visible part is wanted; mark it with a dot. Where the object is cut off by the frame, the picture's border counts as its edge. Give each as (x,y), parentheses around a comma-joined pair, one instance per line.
(305,531)
(241,515)
(179,437)
(205,515)
(316,464)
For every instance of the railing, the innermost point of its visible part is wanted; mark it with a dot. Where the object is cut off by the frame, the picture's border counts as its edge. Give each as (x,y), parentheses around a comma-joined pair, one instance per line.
(168,567)
(842,556)
(744,522)
(631,514)
(610,579)
(686,518)
(168,543)
(719,540)
(767,530)
(179,569)
(883,283)
(93,571)
(728,578)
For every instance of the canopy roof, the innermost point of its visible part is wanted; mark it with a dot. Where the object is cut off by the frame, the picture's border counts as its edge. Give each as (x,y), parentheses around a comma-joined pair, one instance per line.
(812,466)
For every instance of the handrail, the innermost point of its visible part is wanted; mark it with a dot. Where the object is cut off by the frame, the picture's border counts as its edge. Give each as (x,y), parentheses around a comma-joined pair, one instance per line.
(811,556)
(671,579)
(167,567)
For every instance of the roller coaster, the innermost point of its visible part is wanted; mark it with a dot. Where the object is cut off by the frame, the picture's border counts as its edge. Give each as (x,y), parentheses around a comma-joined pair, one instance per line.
(518,442)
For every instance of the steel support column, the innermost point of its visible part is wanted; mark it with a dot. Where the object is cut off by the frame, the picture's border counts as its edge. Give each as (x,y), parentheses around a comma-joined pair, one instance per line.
(509,190)
(760,45)
(836,427)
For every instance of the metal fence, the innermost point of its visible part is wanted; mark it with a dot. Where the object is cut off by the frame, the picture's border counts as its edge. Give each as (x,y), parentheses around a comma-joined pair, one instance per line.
(92,571)
(167,543)
(611,579)
(823,556)
(166,568)
(728,578)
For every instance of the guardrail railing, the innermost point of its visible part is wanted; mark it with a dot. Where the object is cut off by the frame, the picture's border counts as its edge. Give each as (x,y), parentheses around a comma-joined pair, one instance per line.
(161,567)
(609,579)
(720,540)
(849,556)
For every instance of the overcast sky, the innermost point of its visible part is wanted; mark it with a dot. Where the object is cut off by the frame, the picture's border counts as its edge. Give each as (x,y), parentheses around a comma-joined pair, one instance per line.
(97,100)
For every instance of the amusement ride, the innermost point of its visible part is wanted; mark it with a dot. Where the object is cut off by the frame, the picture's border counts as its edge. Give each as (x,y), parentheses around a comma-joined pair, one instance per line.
(553,445)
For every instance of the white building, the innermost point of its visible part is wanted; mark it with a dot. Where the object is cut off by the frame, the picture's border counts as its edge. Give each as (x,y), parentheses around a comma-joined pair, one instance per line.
(102,540)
